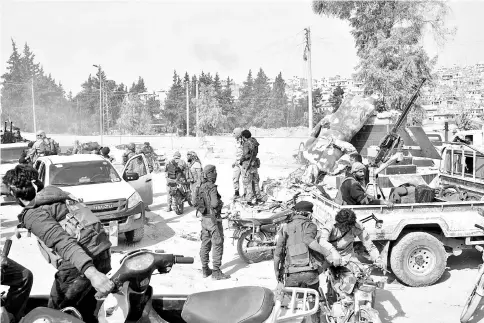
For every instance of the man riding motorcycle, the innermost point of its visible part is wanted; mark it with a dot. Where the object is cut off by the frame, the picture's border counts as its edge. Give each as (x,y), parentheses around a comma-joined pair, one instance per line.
(337,238)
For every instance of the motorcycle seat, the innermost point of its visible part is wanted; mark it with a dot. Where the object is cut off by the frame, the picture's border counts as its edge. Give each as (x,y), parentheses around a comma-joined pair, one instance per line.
(275,216)
(248,304)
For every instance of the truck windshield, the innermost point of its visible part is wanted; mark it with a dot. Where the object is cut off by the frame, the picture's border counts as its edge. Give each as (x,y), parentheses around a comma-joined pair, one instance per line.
(82,173)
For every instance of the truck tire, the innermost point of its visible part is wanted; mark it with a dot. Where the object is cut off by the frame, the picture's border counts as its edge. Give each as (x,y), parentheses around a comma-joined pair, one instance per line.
(135,236)
(418,259)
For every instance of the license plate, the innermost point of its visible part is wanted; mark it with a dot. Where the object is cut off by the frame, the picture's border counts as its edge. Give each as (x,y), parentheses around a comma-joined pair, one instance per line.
(113,232)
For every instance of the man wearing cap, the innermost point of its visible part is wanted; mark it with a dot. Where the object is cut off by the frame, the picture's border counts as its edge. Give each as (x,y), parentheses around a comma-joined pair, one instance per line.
(352,192)
(194,173)
(43,146)
(236,165)
(297,240)
(210,206)
(174,170)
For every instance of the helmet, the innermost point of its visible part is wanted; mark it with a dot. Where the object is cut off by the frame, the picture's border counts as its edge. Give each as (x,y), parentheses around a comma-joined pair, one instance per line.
(246,134)
(237,132)
(177,154)
(131,146)
(147,143)
(105,150)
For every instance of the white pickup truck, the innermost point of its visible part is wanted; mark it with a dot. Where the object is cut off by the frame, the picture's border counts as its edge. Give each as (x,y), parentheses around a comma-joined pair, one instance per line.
(417,238)
(119,198)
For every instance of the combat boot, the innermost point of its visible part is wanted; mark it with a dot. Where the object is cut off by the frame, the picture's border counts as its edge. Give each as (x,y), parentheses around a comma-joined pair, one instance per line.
(168,208)
(236,195)
(206,271)
(219,275)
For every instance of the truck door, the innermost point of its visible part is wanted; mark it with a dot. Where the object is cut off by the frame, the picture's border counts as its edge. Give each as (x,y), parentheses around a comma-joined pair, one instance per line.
(144,184)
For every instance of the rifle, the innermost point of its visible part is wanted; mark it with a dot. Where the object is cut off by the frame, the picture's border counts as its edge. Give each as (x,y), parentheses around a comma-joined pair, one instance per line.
(392,139)
(282,260)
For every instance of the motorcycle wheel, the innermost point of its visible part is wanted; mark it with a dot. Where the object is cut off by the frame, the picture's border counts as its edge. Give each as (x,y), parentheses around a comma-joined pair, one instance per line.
(249,239)
(472,302)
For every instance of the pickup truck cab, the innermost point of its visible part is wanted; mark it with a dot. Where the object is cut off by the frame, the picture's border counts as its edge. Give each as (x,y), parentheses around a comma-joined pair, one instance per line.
(116,197)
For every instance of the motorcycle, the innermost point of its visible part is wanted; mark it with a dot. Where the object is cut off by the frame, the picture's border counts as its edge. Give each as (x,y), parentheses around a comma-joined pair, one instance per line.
(358,300)
(181,193)
(256,238)
(132,300)
(477,292)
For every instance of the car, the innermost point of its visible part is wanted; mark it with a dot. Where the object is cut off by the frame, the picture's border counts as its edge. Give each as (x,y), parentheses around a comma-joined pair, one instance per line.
(117,197)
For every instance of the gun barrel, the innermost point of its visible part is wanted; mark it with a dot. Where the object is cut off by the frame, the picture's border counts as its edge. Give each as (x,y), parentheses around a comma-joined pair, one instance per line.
(406,110)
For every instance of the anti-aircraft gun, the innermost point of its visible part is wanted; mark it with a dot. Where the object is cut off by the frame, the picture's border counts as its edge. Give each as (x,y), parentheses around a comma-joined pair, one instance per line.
(11,136)
(390,147)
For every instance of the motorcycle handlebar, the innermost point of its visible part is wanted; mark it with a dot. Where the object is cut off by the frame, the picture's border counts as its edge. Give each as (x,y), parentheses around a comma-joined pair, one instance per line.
(183,260)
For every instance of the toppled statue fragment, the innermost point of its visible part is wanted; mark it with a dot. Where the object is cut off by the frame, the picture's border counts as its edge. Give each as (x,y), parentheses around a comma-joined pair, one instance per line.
(330,138)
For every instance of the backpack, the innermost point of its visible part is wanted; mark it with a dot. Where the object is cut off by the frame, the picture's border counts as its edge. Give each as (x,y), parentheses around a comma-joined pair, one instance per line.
(298,257)
(173,170)
(53,146)
(85,226)
(424,194)
(201,200)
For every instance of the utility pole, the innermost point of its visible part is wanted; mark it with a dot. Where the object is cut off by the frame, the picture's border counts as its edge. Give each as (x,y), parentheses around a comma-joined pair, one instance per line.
(33,106)
(196,91)
(78,126)
(188,111)
(307,57)
(100,104)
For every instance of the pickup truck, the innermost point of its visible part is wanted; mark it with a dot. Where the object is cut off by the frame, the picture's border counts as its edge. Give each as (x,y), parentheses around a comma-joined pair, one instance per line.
(417,238)
(116,198)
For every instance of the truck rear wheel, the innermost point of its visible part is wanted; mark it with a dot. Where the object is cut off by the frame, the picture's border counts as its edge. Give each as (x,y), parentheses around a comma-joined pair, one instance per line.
(418,259)
(135,235)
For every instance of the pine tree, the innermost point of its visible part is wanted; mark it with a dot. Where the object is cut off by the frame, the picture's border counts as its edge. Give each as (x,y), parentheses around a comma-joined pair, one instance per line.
(261,101)
(228,106)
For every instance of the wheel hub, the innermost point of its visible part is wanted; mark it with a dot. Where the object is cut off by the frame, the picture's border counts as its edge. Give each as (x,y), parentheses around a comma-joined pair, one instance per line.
(421,261)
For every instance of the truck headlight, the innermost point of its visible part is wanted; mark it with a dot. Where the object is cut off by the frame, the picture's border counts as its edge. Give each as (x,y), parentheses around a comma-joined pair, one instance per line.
(134,200)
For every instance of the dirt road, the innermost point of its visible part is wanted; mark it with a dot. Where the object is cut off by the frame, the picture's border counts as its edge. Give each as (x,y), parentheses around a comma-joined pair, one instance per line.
(441,303)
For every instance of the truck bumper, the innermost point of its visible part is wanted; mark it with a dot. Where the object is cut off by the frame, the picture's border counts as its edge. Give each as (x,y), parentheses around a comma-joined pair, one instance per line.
(133,219)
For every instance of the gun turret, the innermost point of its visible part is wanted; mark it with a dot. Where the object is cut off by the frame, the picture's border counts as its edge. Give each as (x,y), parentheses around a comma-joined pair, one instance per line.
(392,139)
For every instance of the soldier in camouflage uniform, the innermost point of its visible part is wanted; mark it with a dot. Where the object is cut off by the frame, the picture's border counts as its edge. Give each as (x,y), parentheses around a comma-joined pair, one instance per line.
(210,206)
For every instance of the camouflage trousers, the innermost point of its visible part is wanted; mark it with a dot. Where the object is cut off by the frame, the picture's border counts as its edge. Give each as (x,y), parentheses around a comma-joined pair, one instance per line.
(251,181)
(212,237)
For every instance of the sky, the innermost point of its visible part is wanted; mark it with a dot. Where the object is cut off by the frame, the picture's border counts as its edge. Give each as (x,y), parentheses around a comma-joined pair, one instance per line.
(152,38)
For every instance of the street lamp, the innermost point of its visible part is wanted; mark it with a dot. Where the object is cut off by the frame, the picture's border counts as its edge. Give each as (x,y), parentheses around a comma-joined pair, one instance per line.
(100,104)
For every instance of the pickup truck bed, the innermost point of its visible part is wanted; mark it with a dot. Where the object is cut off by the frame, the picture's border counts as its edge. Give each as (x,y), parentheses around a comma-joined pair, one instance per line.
(417,238)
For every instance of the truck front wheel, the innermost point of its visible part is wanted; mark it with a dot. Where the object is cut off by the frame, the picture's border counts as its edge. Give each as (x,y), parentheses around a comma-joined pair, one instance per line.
(418,259)
(135,235)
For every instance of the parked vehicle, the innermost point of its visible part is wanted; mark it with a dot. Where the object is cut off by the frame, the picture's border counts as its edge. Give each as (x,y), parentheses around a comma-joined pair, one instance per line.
(118,199)
(181,193)
(256,238)
(132,300)
(360,292)
(477,292)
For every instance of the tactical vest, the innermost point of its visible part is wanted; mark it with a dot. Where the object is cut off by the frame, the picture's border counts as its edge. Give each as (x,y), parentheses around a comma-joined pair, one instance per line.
(298,258)
(85,226)
(172,169)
